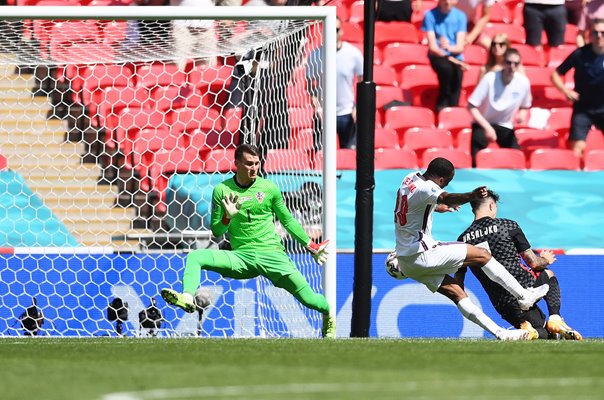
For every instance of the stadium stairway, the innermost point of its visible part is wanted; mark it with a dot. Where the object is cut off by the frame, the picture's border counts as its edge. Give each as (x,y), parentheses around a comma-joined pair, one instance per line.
(53,168)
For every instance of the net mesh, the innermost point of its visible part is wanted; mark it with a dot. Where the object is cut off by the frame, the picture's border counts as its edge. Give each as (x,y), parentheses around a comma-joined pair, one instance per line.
(113,134)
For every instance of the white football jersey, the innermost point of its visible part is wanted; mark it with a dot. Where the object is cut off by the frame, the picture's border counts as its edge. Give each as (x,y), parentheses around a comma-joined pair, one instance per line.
(415,202)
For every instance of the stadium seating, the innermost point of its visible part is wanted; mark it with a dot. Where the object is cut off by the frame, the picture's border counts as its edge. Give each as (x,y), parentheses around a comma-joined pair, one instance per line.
(463,139)
(402,118)
(287,160)
(130,122)
(459,158)
(302,139)
(420,85)
(500,159)
(546,159)
(219,160)
(189,119)
(357,12)
(594,160)
(167,163)
(420,139)
(533,139)
(400,55)
(395,32)
(148,142)
(3,163)
(113,101)
(530,56)
(395,159)
(558,54)
(386,138)
(346,159)
(454,119)
(559,121)
(352,33)
(385,75)
(474,54)
(386,94)
(594,140)
(515,33)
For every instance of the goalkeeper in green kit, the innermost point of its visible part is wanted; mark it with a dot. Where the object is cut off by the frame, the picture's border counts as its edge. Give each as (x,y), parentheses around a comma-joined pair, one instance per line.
(244,206)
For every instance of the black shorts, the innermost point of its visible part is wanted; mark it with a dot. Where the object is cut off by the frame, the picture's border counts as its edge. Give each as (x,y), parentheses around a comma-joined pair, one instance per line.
(581,123)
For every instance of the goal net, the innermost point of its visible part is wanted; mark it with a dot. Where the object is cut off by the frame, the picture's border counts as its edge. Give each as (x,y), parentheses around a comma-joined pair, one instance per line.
(117,122)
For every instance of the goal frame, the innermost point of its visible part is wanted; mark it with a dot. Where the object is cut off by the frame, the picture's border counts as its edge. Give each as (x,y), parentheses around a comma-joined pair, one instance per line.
(325,14)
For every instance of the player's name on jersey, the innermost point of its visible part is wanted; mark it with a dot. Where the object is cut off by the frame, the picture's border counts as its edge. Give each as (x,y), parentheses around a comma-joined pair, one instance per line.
(480,233)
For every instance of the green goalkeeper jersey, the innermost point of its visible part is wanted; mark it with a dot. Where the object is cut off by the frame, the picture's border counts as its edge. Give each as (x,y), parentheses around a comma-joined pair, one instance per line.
(253,227)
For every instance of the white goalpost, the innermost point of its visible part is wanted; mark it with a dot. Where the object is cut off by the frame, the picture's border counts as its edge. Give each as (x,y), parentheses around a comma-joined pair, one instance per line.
(117,122)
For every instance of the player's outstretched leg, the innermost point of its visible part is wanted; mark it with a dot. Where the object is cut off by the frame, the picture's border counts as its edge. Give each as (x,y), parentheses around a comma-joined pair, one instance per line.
(329,327)
(556,325)
(182,300)
(512,334)
(534,294)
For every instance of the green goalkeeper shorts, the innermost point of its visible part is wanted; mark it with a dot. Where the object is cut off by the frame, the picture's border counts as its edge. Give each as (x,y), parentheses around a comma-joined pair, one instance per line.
(239,264)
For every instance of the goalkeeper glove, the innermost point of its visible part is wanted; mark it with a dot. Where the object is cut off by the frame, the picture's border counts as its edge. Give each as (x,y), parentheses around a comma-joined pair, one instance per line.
(231,205)
(318,250)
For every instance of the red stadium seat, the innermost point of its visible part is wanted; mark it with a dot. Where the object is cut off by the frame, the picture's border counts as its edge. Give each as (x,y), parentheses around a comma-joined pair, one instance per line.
(3,163)
(533,139)
(459,158)
(159,74)
(148,142)
(558,54)
(302,139)
(400,55)
(500,13)
(559,121)
(130,122)
(420,85)
(113,101)
(386,94)
(386,138)
(402,118)
(189,119)
(301,117)
(346,159)
(454,119)
(232,119)
(515,33)
(357,12)
(167,163)
(545,159)
(395,159)
(594,160)
(463,139)
(594,140)
(420,139)
(529,55)
(395,32)
(352,33)
(500,159)
(474,54)
(278,160)
(385,75)
(97,78)
(219,160)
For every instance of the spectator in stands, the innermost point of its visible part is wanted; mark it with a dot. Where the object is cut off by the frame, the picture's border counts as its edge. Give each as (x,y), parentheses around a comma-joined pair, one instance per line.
(194,37)
(588,103)
(445,28)
(574,9)
(495,59)
(499,96)
(548,15)
(593,9)
(476,25)
(396,10)
(349,65)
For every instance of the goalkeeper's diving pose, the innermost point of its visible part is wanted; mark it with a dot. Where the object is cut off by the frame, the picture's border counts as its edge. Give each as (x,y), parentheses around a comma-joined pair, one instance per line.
(506,241)
(244,206)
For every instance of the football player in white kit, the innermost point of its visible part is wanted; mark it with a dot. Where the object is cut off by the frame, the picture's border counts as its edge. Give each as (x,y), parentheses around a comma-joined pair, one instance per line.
(432,263)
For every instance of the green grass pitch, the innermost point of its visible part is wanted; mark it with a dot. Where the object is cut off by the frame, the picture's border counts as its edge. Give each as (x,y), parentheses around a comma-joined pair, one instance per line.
(294,369)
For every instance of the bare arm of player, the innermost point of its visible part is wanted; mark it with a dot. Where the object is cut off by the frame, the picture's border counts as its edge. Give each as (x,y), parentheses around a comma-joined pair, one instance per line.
(457,199)
(538,263)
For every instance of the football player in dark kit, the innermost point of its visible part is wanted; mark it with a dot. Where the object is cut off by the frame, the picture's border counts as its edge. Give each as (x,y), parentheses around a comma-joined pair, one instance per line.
(508,244)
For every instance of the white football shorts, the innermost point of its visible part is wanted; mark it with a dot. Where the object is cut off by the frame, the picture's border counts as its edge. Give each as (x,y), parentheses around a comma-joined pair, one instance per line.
(431,266)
